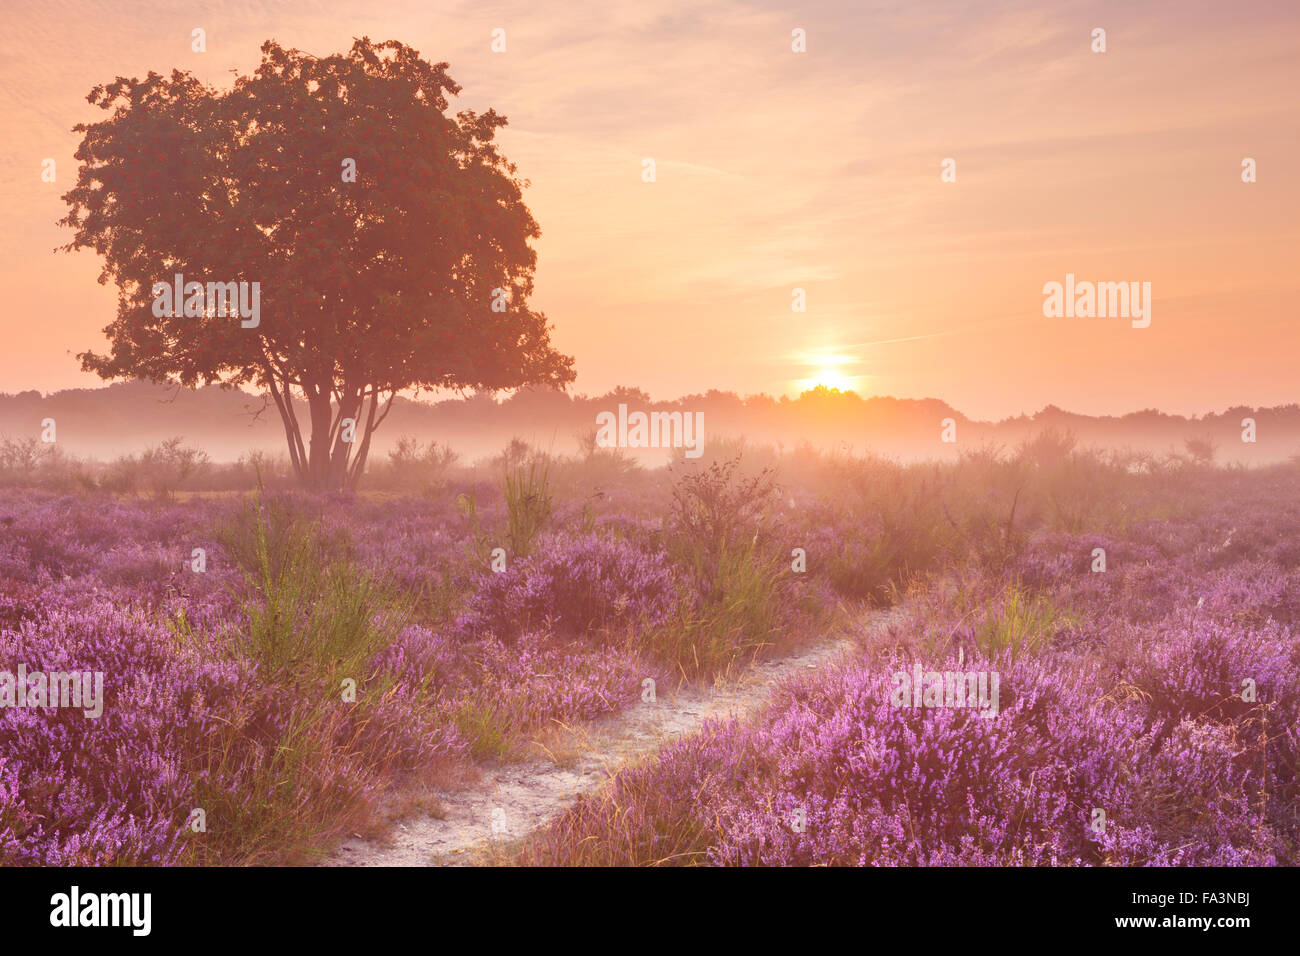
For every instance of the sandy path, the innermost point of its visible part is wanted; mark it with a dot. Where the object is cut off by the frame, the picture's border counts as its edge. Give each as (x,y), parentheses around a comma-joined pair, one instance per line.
(515,799)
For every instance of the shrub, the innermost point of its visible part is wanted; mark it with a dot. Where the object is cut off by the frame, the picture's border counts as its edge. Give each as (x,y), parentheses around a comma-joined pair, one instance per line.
(165,468)
(574,585)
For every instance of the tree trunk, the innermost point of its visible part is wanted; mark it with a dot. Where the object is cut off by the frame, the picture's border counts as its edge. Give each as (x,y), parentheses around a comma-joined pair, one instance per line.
(333,464)
(318,462)
(363,451)
(292,432)
(338,464)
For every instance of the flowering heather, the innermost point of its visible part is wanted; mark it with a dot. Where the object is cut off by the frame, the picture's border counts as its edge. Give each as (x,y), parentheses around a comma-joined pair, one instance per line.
(1161,692)
(100,584)
(884,786)
(117,789)
(574,584)
(536,681)
(494,691)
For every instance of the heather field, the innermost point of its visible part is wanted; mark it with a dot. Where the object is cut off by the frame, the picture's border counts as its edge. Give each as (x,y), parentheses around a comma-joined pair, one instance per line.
(284,671)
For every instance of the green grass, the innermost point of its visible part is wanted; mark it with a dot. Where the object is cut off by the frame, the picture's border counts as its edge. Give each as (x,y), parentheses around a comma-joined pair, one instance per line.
(1016,622)
(311,623)
(735,619)
(307,616)
(528,503)
(489,731)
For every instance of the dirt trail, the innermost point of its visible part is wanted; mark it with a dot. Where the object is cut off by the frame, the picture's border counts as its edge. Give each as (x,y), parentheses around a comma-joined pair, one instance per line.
(523,796)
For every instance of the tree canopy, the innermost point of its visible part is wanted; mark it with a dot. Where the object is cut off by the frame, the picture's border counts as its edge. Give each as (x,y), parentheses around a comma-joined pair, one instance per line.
(389,240)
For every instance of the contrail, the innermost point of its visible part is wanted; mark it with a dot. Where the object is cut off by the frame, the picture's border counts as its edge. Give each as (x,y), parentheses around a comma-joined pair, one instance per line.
(932,335)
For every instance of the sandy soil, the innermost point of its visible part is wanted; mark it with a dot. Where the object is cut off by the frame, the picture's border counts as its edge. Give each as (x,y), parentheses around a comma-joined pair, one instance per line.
(510,800)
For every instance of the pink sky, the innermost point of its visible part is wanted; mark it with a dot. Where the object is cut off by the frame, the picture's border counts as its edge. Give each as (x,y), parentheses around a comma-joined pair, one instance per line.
(778,170)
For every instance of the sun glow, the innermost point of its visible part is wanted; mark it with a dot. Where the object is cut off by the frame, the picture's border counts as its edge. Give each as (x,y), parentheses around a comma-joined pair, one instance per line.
(829,371)
(834,378)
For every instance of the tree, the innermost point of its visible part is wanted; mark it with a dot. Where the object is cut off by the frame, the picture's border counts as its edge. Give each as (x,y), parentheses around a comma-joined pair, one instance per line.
(389,241)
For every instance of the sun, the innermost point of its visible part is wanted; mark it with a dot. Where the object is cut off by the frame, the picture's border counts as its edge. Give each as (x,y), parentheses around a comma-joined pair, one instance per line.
(829,371)
(834,378)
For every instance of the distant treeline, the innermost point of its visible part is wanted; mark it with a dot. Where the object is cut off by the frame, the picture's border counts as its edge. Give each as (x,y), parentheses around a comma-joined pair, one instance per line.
(226,423)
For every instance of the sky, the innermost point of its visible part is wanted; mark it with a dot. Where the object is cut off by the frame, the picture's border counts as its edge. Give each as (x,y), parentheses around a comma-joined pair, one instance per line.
(779,170)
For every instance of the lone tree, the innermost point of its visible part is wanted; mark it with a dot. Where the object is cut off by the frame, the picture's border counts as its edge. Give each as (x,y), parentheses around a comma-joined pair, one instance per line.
(390,241)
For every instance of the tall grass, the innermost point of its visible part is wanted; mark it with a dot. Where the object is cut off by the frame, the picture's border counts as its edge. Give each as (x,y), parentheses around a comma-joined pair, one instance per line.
(304,753)
(1016,622)
(736,620)
(740,596)
(306,615)
(528,502)
(299,787)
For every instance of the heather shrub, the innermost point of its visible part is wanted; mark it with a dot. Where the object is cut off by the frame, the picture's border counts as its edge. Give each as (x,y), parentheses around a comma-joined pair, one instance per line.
(575,585)
(1249,593)
(416,546)
(117,789)
(488,695)
(427,660)
(853,551)
(645,817)
(927,786)
(278,767)
(20,601)
(79,536)
(1197,668)
(537,680)
(1120,690)
(883,785)
(1123,691)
